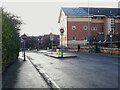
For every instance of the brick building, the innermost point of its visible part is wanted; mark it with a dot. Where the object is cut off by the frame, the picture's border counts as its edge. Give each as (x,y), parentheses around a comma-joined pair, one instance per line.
(75,21)
(46,41)
(42,41)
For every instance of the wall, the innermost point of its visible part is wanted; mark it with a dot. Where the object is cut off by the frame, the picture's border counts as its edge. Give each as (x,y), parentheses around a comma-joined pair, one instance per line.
(63,24)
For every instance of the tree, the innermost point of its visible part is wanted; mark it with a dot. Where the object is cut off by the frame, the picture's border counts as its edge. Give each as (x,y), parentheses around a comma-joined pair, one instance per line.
(10,38)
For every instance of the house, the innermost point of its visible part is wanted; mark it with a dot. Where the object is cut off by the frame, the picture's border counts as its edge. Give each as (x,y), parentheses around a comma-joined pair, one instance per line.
(50,40)
(83,25)
(42,41)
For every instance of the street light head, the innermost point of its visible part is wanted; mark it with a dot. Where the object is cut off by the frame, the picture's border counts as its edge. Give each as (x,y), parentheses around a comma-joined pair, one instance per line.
(110,35)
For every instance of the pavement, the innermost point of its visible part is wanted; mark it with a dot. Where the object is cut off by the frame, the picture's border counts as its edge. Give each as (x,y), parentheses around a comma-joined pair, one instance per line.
(22,74)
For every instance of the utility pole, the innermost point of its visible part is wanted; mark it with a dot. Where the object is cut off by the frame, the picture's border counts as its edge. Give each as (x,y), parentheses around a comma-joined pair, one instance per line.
(88,28)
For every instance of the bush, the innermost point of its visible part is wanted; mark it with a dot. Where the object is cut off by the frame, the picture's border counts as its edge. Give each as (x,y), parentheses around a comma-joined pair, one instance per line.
(0,44)
(10,39)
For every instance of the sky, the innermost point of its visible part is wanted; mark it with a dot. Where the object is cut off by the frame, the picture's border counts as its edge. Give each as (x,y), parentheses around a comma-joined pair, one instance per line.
(41,16)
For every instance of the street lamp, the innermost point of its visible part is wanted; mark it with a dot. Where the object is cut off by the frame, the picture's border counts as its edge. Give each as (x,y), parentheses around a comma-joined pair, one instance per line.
(51,39)
(22,41)
(88,28)
(41,41)
(61,33)
(111,35)
(24,36)
(111,43)
(38,44)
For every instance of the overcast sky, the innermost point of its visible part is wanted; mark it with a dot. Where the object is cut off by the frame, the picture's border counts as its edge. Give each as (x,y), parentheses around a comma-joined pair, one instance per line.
(42,17)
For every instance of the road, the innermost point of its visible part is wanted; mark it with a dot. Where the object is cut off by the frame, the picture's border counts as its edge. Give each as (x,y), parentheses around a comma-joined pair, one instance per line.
(85,71)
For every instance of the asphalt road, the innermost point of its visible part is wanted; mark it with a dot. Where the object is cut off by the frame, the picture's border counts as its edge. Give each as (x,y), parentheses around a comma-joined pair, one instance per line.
(85,71)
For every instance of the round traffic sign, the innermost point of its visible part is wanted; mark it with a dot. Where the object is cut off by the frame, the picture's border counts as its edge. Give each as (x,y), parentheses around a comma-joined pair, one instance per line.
(24,36)
(61,30)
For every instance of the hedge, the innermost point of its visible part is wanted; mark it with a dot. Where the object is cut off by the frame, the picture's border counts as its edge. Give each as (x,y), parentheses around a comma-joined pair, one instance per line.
(0,44)
(10,39)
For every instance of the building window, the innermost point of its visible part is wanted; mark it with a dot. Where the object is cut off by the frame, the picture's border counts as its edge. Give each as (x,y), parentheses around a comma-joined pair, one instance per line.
(73,38)
(94,28)
(94,18)
(85,38)
(102,18)
(112,20)
(112,23)
(112,29)
(85,27)
(73,27)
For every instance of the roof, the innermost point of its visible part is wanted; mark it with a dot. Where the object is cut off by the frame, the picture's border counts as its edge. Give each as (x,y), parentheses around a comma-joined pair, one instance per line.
(74,12)
(83,11)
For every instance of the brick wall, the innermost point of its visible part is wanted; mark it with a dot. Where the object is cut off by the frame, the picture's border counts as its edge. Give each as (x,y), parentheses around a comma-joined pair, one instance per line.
(102,50)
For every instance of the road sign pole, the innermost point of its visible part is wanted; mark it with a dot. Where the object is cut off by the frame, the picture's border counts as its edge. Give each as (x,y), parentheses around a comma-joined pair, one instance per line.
(61,45)
(61,32)
(24,50)
(24,36)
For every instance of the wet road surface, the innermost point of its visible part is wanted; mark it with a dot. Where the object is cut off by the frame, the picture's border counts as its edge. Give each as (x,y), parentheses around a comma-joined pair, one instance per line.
(85,71)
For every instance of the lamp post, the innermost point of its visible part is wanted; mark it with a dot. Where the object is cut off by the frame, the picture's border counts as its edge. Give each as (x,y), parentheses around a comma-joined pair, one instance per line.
(22,41)
(88,28)
(111,43)
(61,33)
(38,44)
(111,35)
(41,41)
(51,39)
(24,36)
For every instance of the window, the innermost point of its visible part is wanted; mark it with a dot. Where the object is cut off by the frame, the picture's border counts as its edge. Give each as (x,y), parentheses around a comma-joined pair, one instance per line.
(112,20)
(112,29)
(73,27)
(94,18)
(102,17)
(94,28)
(73,38)
(85,38)
(112,24)
(85,27)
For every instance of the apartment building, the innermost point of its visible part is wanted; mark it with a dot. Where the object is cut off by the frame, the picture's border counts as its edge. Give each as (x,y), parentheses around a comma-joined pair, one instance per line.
(83,24)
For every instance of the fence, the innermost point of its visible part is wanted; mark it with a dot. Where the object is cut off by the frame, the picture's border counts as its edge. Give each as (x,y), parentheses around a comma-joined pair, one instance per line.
(94,49)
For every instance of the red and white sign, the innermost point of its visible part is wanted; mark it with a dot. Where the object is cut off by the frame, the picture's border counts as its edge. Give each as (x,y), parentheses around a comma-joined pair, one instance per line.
(24,36)
(61,30)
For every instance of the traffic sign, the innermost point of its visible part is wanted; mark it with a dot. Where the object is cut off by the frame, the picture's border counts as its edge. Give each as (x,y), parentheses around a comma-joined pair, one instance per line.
(61,30)
(24,36)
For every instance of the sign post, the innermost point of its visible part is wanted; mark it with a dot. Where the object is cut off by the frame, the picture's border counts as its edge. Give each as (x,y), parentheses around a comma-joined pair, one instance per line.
(24,36)
(61,33)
